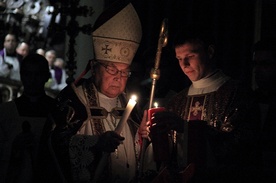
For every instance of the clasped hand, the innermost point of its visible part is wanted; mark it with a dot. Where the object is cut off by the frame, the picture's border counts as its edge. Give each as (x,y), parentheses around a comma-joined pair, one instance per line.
(109,141)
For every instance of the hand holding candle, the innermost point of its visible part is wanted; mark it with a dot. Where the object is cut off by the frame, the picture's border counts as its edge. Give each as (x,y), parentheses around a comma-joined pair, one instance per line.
(130,105)
(160,141)
(154,110)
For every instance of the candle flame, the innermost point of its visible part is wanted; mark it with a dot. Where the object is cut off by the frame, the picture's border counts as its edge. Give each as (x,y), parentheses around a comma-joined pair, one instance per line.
(134,97)
(155,104)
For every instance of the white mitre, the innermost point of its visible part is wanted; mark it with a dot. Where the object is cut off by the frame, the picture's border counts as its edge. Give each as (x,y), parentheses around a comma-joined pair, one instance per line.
(118,39)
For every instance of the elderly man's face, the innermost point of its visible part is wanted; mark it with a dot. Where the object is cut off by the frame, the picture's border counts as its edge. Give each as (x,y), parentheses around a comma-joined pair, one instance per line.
(108,84)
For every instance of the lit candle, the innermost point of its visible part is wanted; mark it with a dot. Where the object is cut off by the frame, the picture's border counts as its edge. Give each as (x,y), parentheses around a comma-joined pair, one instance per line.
(130,105)
(154,110)
(155,104)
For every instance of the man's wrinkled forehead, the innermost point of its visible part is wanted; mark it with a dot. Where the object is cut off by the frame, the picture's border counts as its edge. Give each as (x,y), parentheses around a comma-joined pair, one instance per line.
(114,64)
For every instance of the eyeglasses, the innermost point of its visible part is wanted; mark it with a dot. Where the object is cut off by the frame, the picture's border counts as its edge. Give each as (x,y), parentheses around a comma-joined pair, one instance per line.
(114,71)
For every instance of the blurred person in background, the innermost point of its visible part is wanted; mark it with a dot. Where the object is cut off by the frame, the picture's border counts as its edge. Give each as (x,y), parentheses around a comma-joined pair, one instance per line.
(23,49)
(60,73)
(40,51)
(9,59)
(50,56)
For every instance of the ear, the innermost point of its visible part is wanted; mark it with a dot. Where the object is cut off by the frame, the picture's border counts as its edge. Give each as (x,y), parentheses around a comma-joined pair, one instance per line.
(211,51)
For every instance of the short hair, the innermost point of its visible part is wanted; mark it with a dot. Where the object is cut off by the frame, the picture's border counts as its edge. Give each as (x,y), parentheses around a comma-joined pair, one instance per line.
(35,58)
(195,35)
(21,43)
(50,51)
(40,50)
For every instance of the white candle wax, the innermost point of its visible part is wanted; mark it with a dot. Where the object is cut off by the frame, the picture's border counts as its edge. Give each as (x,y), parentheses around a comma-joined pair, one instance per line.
(130,105)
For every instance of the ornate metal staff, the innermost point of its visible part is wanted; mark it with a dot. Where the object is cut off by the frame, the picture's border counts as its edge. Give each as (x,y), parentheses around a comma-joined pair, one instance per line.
(155,75)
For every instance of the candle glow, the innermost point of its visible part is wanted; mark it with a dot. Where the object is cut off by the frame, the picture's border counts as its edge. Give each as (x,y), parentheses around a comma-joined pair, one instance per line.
(130,105)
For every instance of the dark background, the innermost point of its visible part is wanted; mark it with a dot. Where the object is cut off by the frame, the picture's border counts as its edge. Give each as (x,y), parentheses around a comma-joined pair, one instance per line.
(236,24)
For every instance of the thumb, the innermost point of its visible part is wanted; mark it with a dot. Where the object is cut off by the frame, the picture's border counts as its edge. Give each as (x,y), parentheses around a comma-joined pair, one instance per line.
(117,136)
(144,119)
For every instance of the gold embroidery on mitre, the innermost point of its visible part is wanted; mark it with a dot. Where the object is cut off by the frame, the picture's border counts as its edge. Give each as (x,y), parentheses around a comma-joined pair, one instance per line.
(115,50)
(117,40)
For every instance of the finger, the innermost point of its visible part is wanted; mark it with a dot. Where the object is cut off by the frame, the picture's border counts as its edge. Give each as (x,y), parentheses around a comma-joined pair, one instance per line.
(145,129)
(144,134)
(148,129)
(144,123)
(144,119)
(120,138)
(117,136)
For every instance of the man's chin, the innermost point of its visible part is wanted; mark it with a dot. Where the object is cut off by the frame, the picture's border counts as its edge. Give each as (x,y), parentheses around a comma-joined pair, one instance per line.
(111,94)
